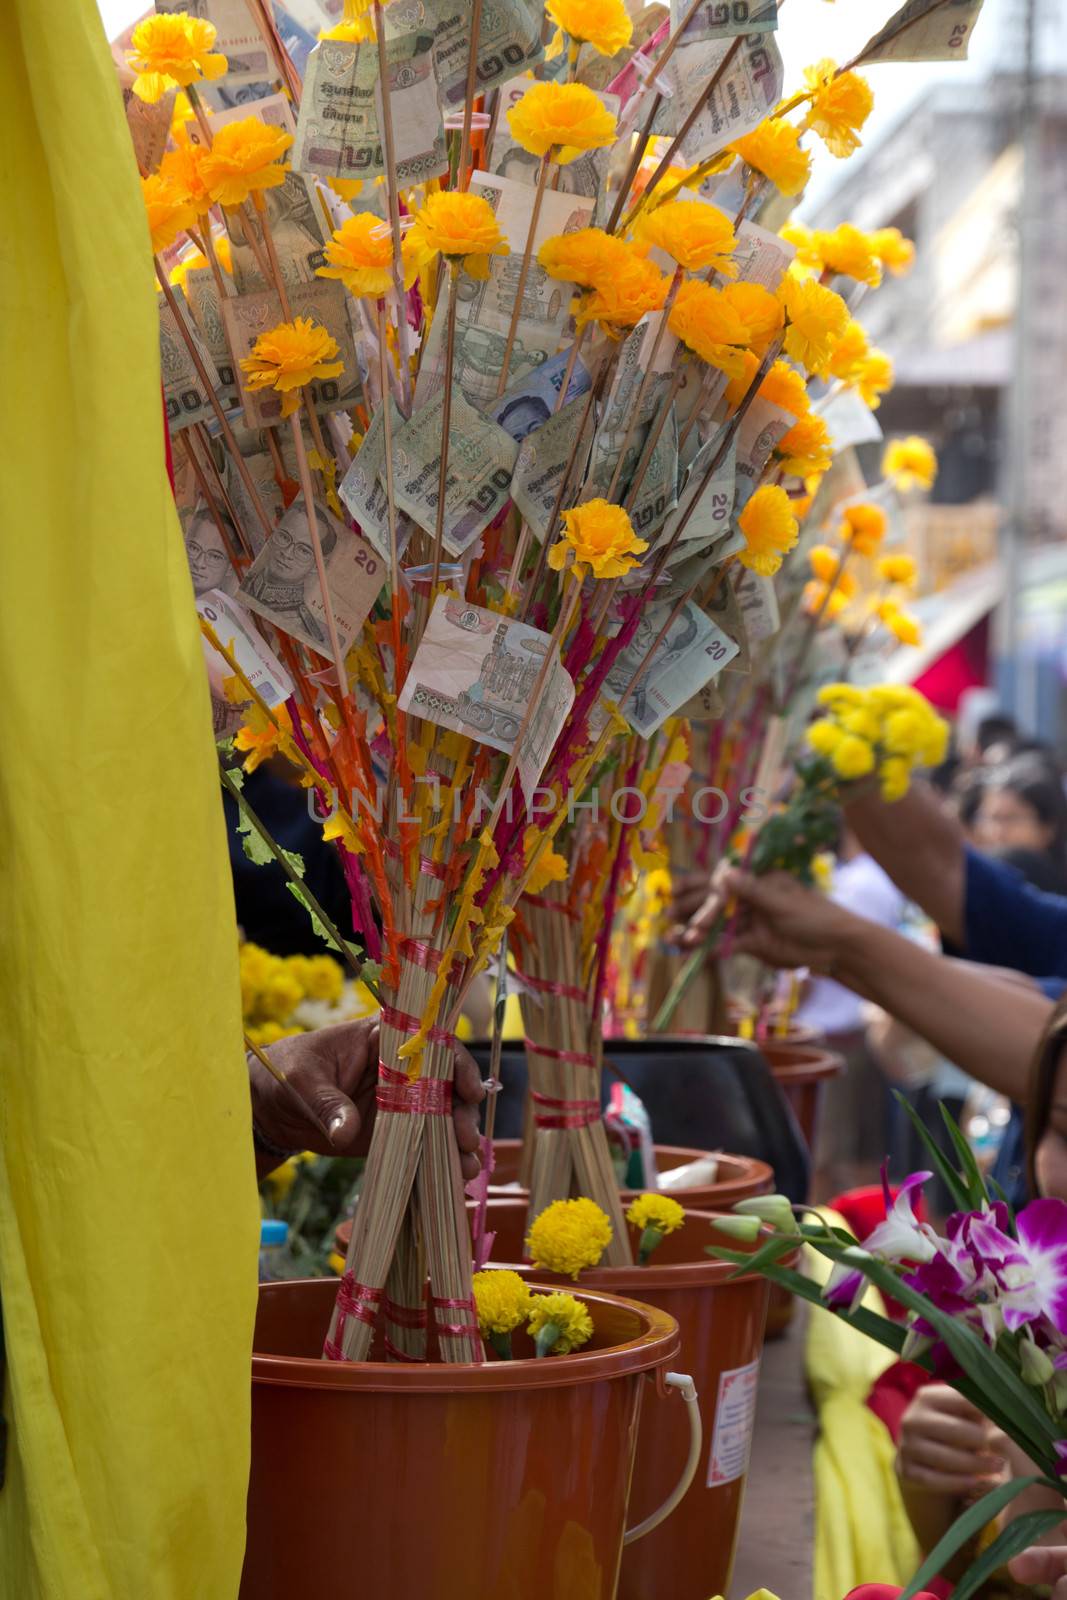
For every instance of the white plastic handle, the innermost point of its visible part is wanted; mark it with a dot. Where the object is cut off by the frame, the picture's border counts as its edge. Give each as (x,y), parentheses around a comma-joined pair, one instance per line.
(687,1389)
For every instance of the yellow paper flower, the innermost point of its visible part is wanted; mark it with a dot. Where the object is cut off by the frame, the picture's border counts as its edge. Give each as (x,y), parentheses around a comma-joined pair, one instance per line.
(565,118)
(559,1323)
(585,257)
(184,167)
(824,561)
(172,50)
(896,253)
(807,259)
(261,737)
(738,387)
(695,235)
(605,24)
(852,757)
(840,105)
(898,569)
(568,1236)
(461,227)
(848,251)
(245,158)
(872,377)
(770,530)
(910,463)
(806,448)
(822,601)
(602,538)
(289,357)
(784,386)
(759,310)
(905,628)
(168,210)
(360,254)
(625,296)
(774,150)
(708,324)
(357,28)
(502,1300)
(849,350)
(863,527)
(551,867)
(817,318)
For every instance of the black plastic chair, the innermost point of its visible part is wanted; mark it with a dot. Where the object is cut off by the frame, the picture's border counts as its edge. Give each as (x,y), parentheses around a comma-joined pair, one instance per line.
(713,1093)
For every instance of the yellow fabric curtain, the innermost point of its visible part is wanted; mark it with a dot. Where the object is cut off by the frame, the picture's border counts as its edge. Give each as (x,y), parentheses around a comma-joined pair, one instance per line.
(862,1532)
(128,1210)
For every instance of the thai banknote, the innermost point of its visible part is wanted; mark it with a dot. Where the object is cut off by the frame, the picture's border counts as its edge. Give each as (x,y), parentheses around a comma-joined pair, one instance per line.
(481,457)
(755,595)
(184,395)
(205,547)
(339,131)
(722,605)
(529,403)
(484,307)
(202,297)
(236,631)
(248,315)
(705,505)
(635,360)
(748,90)
(541,462)
(584,175)
(149,125)
(694,650)
(849,419)
(706,705)
(925,30)
(509,40)
(282,584)
(725,19)
(761,256)
(656,495)
(240,39)
(475,672)
(762,426)
(598,71)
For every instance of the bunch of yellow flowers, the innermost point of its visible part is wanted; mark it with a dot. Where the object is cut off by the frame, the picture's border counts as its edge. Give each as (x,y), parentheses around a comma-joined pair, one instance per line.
(885,731)
(272,987)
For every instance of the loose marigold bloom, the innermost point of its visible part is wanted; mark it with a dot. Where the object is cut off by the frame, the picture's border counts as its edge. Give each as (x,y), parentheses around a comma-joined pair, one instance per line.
(565,118)
(806,448)
(244,159)
(602,538)
(626,295)
(852,757)
(774,150)
(848,251)
(872,377)
(896,253)
(172,50)
(168,209)
(184,166)
(898,569)
(770,530)
(841,102)
(289,357)
(461,227)
(568,1236)
(360,254)
(863,527)
(910,463)
(783,386)
(817,319)
(502,1300)
(605,24)
(709,325)
(695,235)
(561,1316)
(585,257)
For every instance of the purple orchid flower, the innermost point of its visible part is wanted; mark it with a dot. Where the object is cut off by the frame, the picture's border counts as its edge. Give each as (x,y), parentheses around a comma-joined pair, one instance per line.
(901,1237)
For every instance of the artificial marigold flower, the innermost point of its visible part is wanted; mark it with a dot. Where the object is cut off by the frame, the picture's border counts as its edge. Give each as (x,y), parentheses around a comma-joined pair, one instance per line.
(848,251)
(585,257)
(263,737)
(852,757)
(910,463)
(549,867)
(289,357)
(355,29)
(461,227)
(502,1300)
(863,527)
(172,50)
(905,628)
(168,210)
(184,167)
(848,350)
(656,1215)
(602,539)
(360,254)
(823,736)
(784,386)
(803,241)
(806,448)
(817,318)
(565,118)
(605,24)
(770,530)
(898,569)
(695,235)
(774,150)
(894,777)
(709,324)
(635,288)
(244,159)
(825,562)
(841,102)
(872,377)
(568,1236)
(738,387)
(759,310)
(822,601)
(559,1323)
(896,253)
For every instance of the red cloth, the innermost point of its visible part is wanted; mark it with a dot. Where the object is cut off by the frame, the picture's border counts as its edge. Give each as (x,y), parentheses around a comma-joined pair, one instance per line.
(884,1591)
(166,446)
(863,1209)
(893,1392)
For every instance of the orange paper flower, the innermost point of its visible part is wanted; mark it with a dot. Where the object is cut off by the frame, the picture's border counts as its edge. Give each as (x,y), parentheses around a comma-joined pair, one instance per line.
(910,463)
(695,235)
(848,251)
(759,310)
(863,527)
(873,377)
(184,166)
(841,102)
(624,296)
(806,448)
(605,24)
(244,159)
(289,357)
(817,319)
(783,386)
(460,227)
(770,530)
(896,253)
(360,254)
(708,325)
(170,51)
(602,539)
(774,150)
(565,118)
(168,209)
(585,257)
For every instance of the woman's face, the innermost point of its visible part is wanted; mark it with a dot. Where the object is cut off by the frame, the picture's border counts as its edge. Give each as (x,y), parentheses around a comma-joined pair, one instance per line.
(1008,822)
(1050,1159)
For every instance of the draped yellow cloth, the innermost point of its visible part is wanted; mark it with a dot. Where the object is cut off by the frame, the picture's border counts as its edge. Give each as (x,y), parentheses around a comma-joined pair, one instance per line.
(862,1532)
(128,1210)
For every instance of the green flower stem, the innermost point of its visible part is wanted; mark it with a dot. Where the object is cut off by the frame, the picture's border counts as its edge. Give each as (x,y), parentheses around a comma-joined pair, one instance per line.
(547,1337)
(501,1343)
(684,979)
(650,1238)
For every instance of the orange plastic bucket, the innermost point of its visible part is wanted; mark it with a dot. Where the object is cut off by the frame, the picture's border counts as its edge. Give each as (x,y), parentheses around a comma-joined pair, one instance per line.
(721,1320)
(383,1481)
(802,1071)
(738,1177)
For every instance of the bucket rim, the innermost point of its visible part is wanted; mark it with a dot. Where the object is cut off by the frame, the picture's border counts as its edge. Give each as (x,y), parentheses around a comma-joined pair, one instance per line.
(657,1346)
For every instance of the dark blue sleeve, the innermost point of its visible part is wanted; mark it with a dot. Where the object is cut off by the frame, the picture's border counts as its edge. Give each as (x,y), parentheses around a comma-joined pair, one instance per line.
(1011,924)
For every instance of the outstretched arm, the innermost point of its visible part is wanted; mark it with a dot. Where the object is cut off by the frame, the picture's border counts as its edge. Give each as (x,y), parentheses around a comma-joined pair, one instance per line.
(920,847)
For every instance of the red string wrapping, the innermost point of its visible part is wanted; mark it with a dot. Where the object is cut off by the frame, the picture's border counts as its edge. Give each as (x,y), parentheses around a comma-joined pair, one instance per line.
(565,991)
(403,1022)
(431,1097)
(564,1113)
(577,1058)
(357,1300)
(542,904)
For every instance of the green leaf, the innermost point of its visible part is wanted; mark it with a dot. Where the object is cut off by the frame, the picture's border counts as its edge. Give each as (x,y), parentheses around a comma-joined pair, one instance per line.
(976,1188)
(254,847)
(1018,1535)
(938,1160)
(780,1245)
(295,861)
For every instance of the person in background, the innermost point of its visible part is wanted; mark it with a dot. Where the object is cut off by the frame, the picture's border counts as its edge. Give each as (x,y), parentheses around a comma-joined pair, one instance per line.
(1023,808)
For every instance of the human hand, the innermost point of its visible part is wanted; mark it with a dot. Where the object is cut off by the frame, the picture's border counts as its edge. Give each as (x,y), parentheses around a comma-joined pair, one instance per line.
(784,923)
(947,1446)
(1042,1564)
(334,1070)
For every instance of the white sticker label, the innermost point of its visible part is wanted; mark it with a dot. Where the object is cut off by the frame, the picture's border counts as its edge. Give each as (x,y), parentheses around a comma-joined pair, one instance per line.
(735,1417)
